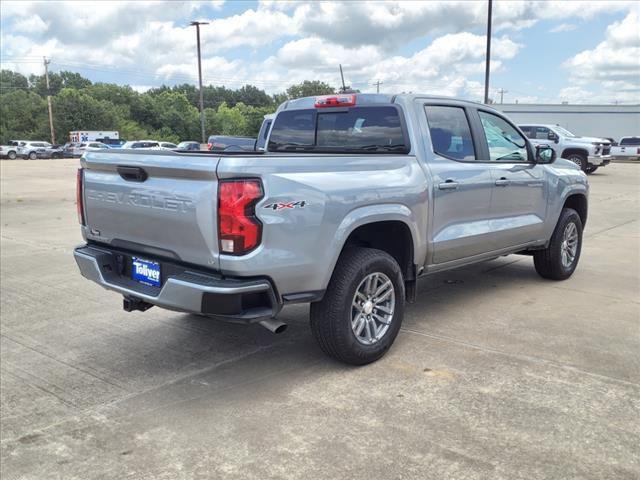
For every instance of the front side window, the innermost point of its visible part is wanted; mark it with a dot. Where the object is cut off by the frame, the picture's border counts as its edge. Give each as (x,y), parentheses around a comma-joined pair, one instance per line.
(542,133)
(505,143)
(450,132)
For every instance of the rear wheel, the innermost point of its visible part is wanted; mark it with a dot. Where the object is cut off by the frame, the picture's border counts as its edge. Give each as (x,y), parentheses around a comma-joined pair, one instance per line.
(360,315)
(560,259)
(579,160)
(590,169)
(12,155)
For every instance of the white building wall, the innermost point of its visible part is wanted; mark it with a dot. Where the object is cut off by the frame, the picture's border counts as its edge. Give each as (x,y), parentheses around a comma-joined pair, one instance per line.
(610,121)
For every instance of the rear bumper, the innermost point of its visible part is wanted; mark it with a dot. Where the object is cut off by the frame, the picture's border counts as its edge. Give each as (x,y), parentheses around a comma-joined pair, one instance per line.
(183,289)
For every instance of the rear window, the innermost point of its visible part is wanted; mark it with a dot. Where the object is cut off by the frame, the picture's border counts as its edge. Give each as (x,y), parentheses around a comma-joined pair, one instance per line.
(359,129)
(630,141)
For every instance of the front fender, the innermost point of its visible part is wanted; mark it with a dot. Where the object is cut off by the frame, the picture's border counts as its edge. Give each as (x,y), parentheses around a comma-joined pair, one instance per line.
(559,193)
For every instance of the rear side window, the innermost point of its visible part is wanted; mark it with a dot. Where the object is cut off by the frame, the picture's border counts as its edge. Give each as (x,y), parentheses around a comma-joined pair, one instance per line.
(357,130)
(630,141)
(450,132)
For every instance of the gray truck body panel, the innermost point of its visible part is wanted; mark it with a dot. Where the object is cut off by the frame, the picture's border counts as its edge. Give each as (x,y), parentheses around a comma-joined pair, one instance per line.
(173,214)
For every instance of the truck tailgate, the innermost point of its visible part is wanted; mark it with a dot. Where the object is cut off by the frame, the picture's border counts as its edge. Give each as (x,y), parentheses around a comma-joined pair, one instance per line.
(161,204)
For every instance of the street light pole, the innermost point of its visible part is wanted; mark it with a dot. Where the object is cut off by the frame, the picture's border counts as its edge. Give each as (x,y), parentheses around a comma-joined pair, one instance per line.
(488,60)
(197,25)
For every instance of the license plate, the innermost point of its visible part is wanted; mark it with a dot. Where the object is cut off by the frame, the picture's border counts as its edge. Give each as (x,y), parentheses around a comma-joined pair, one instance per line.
(145,271)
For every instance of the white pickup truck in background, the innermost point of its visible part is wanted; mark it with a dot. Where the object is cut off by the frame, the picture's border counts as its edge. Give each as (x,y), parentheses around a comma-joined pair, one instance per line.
(628,148)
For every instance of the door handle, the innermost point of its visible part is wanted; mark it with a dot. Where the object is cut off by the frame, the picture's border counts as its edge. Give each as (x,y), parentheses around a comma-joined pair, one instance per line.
(132,174)
(502,182)
(448,184)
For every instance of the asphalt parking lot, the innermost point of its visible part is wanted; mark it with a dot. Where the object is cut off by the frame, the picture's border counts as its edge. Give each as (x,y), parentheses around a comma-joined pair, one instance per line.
(495,374)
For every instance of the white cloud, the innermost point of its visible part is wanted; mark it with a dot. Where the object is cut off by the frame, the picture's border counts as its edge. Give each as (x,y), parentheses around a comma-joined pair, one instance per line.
(147,43)
(613,64)
(563,27)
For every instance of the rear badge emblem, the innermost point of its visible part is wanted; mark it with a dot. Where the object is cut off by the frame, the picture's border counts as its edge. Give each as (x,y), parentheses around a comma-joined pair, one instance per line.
(285,205)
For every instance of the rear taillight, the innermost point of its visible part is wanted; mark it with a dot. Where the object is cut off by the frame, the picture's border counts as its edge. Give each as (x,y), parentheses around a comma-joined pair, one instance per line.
(239,229)
(79,201)
(209,146)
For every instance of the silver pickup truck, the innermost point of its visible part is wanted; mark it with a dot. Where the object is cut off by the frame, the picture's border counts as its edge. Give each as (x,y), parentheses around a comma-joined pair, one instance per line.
(354,199)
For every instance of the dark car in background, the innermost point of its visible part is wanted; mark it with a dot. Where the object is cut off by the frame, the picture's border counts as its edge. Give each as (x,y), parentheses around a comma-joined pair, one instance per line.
(224,143)
(189,146)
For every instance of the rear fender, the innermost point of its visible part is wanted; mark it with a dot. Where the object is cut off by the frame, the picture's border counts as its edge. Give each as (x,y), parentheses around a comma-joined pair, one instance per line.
(372,214)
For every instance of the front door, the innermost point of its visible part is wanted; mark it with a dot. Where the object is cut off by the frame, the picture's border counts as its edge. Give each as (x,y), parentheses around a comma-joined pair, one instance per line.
(519,200)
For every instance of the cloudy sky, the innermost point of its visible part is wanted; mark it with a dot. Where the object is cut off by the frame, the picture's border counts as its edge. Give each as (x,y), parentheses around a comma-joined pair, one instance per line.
(576,51)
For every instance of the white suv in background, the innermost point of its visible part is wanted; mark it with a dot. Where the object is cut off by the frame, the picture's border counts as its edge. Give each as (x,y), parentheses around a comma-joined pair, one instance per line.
(588,153)
(79,148)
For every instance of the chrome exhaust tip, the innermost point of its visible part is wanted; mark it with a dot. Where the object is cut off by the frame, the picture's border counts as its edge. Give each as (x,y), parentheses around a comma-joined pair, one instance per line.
(273,325)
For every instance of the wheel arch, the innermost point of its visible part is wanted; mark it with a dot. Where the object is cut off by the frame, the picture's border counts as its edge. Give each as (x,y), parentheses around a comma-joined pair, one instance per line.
(571,150)
(389,228)
(578,202)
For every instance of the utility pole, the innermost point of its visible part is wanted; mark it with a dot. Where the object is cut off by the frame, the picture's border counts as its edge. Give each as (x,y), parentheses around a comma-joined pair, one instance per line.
(488,59)
(502,91)
(344,88)
(377,84)
(197,25)
(46,76)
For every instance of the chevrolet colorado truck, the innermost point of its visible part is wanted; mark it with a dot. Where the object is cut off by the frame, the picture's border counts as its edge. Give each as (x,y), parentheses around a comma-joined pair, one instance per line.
(589,153)
(354,199)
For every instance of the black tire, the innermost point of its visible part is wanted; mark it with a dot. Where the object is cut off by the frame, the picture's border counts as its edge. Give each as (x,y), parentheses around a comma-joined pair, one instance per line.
(332,316)
(12,155)
(549,262)
(33,155)
(579,159)
(590,169)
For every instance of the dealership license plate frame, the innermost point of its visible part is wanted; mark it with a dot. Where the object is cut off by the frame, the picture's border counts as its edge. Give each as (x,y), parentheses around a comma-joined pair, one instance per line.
(146,272)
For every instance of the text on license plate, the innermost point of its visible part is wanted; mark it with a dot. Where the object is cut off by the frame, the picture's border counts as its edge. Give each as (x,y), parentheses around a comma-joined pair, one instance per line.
(145,271)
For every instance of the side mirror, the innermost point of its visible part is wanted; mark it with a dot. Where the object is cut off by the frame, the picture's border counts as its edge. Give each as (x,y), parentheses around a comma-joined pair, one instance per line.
(545,154)
(552,136)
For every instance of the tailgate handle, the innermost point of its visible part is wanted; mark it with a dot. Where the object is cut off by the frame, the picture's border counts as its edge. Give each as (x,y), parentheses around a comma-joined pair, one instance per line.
(132,174)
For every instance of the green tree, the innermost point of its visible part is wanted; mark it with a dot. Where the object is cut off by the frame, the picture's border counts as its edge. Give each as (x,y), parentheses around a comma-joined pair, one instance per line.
(309,88)
(75,110)
(23,116)
(12,80)
(175,113)
(230,120)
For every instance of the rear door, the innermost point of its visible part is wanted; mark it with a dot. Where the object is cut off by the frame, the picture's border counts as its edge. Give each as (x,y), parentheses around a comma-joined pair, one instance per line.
(156,203)
(519,200)
(461,187)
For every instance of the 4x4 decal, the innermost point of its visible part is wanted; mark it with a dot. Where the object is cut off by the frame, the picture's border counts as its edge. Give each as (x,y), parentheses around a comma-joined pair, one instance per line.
(285,205)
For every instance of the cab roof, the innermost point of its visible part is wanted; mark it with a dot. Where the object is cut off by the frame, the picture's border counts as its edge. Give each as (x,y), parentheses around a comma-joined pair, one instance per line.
(370,98)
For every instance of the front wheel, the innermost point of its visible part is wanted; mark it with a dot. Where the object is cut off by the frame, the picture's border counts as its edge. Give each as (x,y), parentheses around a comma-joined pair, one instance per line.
(360,315)
(579,160)
(559,260)
(33,156)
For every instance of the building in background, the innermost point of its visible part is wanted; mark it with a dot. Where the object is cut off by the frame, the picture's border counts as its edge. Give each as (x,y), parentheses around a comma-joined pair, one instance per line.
(607,121)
